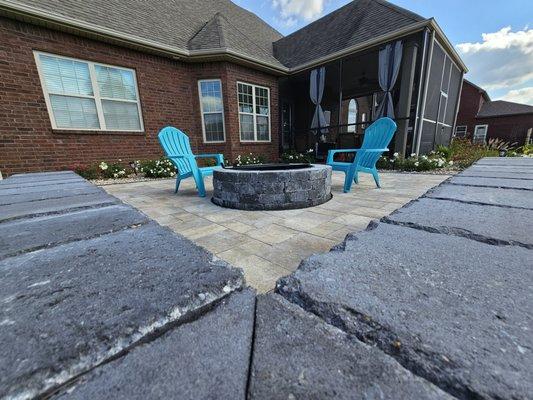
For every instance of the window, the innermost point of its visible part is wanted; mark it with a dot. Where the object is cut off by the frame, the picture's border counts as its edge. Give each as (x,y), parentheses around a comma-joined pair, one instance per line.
(83,95)
(352,116)
(212,109)
(480,134)
(254,113)
(460,131)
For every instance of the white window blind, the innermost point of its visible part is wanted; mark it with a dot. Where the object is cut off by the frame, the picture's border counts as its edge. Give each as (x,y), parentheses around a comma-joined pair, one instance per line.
(84,95)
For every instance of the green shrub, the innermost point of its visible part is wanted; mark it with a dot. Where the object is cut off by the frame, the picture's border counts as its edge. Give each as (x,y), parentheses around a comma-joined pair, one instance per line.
(88,172)
(465,153)
(112,170)
(249,159)
(295,157)
(162,168)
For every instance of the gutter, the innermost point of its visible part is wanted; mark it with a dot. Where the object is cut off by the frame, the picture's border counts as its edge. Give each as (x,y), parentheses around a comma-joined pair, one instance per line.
(14,9)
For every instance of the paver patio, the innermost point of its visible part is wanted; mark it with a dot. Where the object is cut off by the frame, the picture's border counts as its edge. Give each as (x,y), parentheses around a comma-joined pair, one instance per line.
(270,244)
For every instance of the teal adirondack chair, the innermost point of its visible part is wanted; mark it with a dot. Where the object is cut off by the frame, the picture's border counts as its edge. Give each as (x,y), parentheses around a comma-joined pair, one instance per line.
(177,148)
(377,137)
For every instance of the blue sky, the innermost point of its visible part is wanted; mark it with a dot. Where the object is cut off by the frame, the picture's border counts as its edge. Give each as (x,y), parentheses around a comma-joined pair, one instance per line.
(494,37)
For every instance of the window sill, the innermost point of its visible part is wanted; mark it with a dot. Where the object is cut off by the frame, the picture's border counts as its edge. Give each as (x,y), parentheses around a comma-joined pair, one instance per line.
(87,132)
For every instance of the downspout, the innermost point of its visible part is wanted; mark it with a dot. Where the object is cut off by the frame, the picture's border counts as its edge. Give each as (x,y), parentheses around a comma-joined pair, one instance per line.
(425,78)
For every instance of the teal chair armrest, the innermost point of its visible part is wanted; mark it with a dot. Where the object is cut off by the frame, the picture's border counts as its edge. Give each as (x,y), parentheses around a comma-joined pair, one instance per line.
(218,157)
(331,153)
(372,150)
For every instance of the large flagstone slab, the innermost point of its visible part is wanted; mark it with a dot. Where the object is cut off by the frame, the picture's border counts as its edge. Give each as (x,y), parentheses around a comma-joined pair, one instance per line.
(493,182)
(206,358)
(22,235)
(494,225)
(298,356)
(69,308)
(484,195)
(456,311)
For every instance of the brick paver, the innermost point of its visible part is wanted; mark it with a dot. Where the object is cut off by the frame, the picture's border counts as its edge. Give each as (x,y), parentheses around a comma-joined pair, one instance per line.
(270,244)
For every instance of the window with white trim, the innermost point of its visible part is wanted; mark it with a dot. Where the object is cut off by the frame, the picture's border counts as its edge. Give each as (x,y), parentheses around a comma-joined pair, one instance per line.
(254,112)
(83,95)
(480,134)
(460,131)
(212,109)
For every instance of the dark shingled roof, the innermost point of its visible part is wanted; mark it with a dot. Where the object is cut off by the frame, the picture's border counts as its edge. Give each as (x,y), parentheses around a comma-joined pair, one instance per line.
(182,24)
(501,108)
(355,23)
(195,26)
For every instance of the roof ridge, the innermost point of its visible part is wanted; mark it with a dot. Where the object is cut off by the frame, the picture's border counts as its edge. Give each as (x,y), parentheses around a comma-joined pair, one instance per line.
(221,36)
(201,30)
(398,9)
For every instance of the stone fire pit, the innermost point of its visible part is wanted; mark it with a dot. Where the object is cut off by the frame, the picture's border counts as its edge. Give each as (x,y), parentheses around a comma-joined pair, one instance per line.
(272,187)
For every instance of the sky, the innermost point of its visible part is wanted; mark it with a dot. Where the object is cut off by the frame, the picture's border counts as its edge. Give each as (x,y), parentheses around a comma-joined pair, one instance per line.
(493,37)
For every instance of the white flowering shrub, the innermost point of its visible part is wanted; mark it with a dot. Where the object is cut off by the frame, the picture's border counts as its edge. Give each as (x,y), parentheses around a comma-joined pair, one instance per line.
(162,168)
(432,161)
(249,159)
(112,170)
(295,157)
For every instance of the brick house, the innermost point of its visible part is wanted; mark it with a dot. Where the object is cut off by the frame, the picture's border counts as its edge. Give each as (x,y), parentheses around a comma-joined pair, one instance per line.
(481,119)
(82,82)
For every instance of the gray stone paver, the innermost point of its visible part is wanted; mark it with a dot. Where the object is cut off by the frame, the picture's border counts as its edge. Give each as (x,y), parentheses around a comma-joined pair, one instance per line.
(22,235)
(456,311)
(299,356)
(285,236)
(68,308)
(497,225)
(493,182)
(207,358)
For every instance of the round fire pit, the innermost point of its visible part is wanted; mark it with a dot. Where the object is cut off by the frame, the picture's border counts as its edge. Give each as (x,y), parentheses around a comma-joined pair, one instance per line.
(272,186)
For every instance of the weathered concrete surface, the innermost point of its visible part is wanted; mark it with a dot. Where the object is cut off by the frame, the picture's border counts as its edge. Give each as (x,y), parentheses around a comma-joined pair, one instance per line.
(507,161)
(494,225)
(298,356)
(23,235)
(50,206)
(26,196)
(496,174)
(42,177)
(207,358)
(68,308)
(516,169)
(456,311)
(13,184)
(25,189)
(484,195)
(493,182)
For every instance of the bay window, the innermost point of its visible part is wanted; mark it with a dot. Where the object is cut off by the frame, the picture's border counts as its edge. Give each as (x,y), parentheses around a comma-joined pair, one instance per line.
(83,95)
(212,110)
(254,112)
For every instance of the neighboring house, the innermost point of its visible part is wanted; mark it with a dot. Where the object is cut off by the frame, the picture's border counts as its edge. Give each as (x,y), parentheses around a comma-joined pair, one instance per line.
(481,119)
(85,81)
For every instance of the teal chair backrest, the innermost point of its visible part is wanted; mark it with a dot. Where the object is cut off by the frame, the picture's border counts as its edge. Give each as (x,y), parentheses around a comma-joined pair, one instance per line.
(377,136)
(175,143)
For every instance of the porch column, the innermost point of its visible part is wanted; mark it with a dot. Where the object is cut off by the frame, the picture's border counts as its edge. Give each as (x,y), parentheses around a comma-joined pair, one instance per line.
(410,51)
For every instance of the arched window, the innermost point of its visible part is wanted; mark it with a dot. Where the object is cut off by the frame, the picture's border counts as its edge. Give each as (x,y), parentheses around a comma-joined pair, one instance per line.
(352,115)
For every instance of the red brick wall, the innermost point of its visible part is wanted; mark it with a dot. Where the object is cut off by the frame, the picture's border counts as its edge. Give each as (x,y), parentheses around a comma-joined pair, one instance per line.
(510,128)
(471,102)
(168,92)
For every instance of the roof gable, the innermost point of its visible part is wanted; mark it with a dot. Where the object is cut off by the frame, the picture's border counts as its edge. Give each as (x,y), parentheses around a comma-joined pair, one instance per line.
(355,23)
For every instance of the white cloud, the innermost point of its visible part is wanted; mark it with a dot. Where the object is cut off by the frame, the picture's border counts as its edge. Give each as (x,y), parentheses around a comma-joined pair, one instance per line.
(524,95)
(291,10)
(502,60)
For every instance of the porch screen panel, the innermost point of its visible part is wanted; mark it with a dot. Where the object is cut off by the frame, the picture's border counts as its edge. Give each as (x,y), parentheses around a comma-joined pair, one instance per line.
(453,95)
(435,83)
(428,137)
